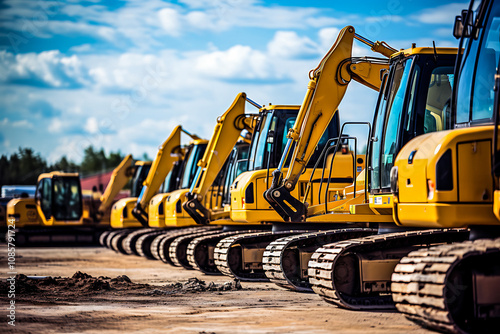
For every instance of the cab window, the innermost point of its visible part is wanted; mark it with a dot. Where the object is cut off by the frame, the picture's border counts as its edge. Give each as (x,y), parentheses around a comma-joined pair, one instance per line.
(438,96)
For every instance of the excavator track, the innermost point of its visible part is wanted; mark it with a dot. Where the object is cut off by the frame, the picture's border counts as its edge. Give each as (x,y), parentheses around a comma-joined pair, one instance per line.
(229,254)
(283,258)
(178,248)
(435,287)
(103,237)
(54,236)
(155,243)
(129,242)
(335,270)
(167,239)
(200,251)
(115,240)
(108,237)
(155,246)
(143,244)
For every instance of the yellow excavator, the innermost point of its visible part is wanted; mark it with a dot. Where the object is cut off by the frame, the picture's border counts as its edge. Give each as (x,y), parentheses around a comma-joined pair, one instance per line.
(355,273)
(196,250)
(316,122)
(450,179)
(204,201)
(61,213)
(130,215)
(138,242)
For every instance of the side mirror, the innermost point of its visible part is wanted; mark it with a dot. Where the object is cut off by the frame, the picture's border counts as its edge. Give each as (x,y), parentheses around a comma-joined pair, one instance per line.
(458,27)
(463,26)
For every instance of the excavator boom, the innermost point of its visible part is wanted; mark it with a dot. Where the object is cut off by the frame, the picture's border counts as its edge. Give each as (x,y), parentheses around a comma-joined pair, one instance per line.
(121,175)
(168,153)
(327,86)
(226,134)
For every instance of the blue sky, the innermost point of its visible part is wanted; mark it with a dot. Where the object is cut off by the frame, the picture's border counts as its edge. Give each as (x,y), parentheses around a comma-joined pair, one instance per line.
(121,74)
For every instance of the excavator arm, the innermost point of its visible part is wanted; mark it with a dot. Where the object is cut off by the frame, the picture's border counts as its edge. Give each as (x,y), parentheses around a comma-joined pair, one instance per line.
(226,134)
(326,89)
(119,178)
(168,153)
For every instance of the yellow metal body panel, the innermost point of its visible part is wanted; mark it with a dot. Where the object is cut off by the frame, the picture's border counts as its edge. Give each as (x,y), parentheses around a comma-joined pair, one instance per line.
(56,173)
(425,50)
(496,203)
(172,217)
(475,177)
(469,202)
(117,218)
(260,210)
(381,204)
(24,212)
(444,215)
(156,213)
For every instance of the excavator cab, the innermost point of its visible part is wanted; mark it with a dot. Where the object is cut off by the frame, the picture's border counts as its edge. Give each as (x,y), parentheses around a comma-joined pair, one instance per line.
(57,202)
(414,100)
(269,141)
(160,207)
(141,172)
(237,163)
(59,199)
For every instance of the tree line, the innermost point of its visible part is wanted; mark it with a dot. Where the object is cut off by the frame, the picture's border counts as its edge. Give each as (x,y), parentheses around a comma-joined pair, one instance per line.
(24,166)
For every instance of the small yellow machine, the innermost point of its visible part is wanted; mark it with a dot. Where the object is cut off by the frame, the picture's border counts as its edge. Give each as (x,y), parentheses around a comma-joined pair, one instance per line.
(54,215)
(60,202)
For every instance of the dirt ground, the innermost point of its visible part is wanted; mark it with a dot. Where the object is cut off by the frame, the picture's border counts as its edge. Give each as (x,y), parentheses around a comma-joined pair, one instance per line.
(114,293)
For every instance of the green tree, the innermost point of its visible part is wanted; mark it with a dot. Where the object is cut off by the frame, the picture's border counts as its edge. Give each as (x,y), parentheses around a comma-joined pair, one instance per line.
(96,160)
(22,167)
(65,165)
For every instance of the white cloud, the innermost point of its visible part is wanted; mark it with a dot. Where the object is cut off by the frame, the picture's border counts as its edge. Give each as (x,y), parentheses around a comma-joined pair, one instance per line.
(91,125)
(288,44)
(384,18)
(48,68)
(238,61)
(81,48)
(22,124)
(444,14)
(55,125)
(170,21)
(327,36)
(225,15)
